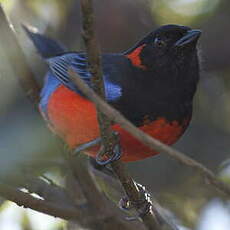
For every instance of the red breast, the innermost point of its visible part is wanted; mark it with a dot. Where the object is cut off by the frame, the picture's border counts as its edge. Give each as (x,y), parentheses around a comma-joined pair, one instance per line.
(74,119)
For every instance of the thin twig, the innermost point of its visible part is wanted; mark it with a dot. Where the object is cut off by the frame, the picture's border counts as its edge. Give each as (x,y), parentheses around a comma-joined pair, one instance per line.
(28,201)
(95,69)
(63,210)
(47,191)
(87,185)
(31,88)
(16,56)
(113,189)
(106,215)
(149,141)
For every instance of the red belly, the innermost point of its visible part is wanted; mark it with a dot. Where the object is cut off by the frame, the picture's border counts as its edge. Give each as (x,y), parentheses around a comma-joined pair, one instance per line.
(74,119)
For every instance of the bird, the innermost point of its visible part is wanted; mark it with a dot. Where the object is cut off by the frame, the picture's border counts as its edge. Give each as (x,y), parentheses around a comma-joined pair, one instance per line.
(152,84)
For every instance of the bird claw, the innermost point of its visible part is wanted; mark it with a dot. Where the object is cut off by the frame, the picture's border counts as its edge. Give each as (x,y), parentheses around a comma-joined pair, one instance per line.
(124,204)
(102,157)
(143,205)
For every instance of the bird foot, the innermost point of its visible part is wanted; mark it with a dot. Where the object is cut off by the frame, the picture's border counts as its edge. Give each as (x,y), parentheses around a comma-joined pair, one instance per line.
(102,157)
(143,205)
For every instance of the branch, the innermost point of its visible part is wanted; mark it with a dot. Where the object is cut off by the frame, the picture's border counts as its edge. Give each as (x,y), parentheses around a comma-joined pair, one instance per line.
(94,61)
(95,69)
(16,56)
(114,191)
(49,192)
(87,185)
(105,214)
(149,141)
(28,201)
(85,214)
(50,206)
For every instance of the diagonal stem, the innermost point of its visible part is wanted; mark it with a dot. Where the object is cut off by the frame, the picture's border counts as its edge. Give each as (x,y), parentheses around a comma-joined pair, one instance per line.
(60,209)
(16,56)
(95,69)
(149,141)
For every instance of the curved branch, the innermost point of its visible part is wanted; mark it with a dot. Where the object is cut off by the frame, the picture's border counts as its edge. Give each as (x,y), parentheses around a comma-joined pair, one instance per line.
(48,191)
(16,56)
(31,88)
(26,200)
(149,141)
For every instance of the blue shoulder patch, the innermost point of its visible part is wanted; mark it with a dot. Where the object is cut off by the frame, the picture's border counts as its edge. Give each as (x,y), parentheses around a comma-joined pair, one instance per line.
(112,91)
(59,66)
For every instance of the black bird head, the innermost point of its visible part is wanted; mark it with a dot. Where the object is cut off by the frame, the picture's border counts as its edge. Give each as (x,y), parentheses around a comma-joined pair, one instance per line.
(168,45)
(166,65)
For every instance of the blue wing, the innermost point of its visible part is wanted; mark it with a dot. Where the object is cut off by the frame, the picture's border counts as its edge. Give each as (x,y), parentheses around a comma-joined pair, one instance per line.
(60,61)
(59,66)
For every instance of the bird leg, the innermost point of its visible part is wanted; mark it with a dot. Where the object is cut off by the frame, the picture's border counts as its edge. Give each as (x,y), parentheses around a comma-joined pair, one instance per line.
(144,204)
(102,157)
(87,145)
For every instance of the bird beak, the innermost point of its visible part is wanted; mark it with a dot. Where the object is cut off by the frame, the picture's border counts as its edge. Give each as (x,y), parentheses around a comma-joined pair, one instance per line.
(191,36)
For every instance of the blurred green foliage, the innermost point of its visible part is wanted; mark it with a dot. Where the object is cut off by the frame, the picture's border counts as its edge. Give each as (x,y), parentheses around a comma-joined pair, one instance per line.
(183,11)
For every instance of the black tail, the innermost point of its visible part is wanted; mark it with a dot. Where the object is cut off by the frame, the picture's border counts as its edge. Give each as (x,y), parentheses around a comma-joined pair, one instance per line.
(46,47)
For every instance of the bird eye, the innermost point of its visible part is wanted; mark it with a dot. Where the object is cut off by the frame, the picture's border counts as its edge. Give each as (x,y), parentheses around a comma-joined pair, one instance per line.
(159,43)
